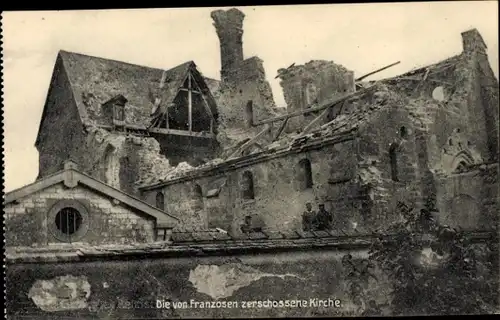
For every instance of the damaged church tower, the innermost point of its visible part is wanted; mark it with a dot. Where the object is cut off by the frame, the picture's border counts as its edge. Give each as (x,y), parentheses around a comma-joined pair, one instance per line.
(241,79)
(229,28)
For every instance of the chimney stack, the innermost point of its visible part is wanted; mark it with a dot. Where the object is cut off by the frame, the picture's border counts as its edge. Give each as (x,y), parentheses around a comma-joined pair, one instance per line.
(229,27)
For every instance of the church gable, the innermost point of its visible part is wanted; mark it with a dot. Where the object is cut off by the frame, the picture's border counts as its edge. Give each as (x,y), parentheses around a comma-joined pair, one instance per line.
(190,107)
(70,207)
(66,215)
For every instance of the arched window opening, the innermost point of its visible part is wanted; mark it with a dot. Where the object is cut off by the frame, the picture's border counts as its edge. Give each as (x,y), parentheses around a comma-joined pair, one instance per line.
(403,132)
(160,200)
(111,167)
(247,186)
(305,174)
(461,167)
(394,162)
(198,196)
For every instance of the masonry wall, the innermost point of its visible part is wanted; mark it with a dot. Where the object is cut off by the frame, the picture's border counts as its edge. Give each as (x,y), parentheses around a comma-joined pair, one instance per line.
(27,224)
(247,82)
(470,200)
(313,84)
(129,289)
(279,199)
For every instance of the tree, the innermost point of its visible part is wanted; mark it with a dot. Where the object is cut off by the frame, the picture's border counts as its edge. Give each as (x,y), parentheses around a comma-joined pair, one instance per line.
(435,269)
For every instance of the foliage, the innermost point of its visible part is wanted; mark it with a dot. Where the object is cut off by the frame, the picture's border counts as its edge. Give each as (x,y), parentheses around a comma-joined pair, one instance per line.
(435,269)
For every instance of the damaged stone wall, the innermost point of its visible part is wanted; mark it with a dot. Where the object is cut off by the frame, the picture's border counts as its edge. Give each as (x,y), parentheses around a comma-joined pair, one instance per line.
(442,108)
(241,80)
(27,222)
(121,159)
(388,164)
(312,84)
(279,194)
(130,289)
(470,200)
(248,83)
(185,201)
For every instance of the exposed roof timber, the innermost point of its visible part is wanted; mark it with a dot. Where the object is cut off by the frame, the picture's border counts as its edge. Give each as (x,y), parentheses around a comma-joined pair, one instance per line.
(205,103)
(254,158)
(314,122)
(280,130)
(250,142)
(417,79)
(206,135)
(376,71)
(318,108)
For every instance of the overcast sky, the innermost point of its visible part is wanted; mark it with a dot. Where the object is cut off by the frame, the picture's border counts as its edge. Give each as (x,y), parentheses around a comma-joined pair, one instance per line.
(362,37)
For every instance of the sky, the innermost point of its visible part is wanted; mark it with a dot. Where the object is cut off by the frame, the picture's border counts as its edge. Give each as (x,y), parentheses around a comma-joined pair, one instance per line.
(361,37)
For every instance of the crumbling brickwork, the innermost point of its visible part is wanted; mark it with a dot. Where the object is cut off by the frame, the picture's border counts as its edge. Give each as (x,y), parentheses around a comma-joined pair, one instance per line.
(27,222)
(312,84)
(241,80)
(279,196)
(413,131)
(470,200)
(410,136)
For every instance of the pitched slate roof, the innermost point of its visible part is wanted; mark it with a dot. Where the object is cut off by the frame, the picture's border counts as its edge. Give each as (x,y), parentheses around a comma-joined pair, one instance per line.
(95,81)
(72,178)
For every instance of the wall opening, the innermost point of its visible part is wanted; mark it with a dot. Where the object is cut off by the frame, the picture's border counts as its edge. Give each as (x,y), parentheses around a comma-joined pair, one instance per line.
(247,186)
(160,200)
(461,167)
(403,132)
(305,174)
(198,196)
(438,93)
(111,167)
(393,158)
(68,221)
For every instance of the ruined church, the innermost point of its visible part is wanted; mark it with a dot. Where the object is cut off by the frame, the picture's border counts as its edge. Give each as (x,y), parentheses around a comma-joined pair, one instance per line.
(130,154)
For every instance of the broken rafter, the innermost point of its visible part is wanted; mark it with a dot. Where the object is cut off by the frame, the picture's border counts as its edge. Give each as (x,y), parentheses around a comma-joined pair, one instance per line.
(376,71)
(205,104)
(418,79)
(182,133)
(280,130)
(314,121)
(319,108)
(250,142)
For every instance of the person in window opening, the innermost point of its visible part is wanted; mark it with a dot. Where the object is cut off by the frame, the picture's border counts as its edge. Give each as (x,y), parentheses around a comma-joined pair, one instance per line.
(324,219)
(308,218)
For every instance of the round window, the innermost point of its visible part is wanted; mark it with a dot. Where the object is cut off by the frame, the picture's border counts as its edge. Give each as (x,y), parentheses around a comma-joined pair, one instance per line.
(68,220)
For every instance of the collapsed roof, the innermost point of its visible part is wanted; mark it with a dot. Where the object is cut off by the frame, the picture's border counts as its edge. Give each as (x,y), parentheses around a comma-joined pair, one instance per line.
(94,81)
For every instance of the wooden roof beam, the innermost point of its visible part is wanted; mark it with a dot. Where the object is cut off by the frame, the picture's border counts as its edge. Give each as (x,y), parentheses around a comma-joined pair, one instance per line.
(318,108)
